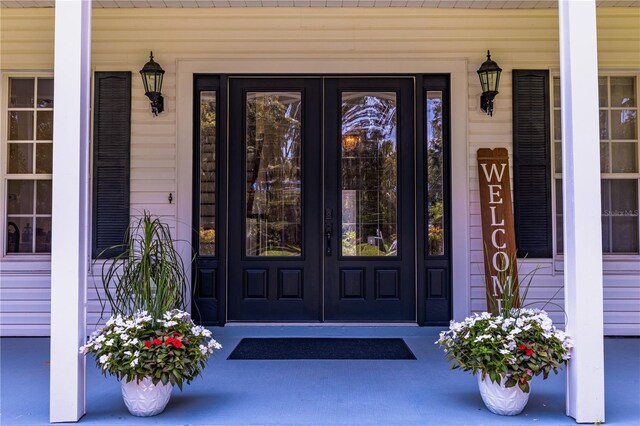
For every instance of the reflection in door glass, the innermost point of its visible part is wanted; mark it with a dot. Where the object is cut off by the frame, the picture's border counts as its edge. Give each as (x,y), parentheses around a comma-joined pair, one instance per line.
(273,174)
(435,174)
(369,174)
(207,230)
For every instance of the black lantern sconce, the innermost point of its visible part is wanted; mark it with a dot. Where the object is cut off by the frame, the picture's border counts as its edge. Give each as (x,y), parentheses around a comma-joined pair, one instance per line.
(489,74)
(152,74)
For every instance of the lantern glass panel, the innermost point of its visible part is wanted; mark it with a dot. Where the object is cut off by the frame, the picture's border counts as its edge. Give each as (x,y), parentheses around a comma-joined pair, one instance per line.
(483,82)
(492,78)
(150,81)
(158,82)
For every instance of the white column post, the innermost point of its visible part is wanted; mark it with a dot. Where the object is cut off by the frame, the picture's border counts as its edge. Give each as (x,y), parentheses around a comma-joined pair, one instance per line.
(70,208)
(581,198)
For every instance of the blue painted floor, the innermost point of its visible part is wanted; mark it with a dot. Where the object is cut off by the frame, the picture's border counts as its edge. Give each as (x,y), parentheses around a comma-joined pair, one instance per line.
(335,392)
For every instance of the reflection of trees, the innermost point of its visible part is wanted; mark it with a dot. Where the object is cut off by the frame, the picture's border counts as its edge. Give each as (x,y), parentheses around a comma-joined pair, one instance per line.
(369,172)
(435,176)
(207,174)
(44,127)
(273,174)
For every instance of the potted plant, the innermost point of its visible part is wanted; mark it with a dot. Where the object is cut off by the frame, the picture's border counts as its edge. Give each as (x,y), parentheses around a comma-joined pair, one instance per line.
(506,350)
(150,355)
(150,343)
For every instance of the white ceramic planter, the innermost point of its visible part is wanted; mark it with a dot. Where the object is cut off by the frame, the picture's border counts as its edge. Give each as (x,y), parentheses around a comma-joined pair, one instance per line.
(144,398)
(501,400)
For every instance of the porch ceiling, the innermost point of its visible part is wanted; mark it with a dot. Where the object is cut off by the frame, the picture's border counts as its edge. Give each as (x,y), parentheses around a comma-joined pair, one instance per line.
(458,4)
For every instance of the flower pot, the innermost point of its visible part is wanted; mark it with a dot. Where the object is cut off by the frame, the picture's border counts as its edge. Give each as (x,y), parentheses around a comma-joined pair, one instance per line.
(501,400)
(144,398)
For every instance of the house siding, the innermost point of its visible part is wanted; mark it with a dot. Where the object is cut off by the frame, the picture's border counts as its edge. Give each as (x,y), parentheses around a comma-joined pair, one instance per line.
(122,38)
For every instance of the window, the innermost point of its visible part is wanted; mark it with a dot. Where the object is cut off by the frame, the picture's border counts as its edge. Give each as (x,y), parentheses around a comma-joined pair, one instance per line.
(618,99)
(27,147)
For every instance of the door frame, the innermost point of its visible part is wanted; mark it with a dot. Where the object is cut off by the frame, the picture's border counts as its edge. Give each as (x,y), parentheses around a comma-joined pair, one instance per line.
(456,69)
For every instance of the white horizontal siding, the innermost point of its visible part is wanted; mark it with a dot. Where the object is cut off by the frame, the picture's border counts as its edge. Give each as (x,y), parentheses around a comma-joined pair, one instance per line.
(122,39)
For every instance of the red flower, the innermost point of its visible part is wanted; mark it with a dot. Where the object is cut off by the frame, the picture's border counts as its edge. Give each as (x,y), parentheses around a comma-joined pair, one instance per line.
(523,380)
(522,346)
(147,344)
(529,352)
(177,343)
(157,341)
(168,340)
(176,333)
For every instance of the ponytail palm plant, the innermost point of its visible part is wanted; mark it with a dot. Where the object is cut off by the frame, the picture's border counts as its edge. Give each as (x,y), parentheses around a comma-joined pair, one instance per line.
(148,275)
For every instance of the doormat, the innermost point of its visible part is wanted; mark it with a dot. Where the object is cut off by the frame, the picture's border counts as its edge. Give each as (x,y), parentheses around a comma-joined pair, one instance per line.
(321,348)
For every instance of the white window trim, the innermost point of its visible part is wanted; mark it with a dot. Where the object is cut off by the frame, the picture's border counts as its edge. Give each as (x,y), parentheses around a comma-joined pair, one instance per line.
(614,263)
(14,261)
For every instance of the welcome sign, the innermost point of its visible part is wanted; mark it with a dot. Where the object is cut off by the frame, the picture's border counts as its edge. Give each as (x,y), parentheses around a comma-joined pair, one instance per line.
(498,233)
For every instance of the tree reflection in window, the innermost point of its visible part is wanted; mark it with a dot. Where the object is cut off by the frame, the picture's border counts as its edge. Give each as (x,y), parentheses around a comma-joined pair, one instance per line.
(369,174)
(273,174)
(435,174)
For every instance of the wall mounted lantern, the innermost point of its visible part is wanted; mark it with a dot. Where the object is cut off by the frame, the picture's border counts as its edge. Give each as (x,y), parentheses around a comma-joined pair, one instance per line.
(152,74)
(489,74)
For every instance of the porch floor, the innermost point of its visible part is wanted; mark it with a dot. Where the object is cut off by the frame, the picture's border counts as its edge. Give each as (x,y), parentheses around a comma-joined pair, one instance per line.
(335,392)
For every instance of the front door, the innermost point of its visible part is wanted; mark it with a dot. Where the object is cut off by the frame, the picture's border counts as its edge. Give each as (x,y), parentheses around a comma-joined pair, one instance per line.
(321,222)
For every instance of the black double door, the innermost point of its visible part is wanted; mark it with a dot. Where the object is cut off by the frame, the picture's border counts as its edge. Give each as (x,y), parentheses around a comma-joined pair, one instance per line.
(321,209)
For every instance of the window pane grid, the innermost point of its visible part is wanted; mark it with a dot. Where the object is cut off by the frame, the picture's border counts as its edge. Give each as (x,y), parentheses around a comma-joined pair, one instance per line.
(619,154)
(29,139)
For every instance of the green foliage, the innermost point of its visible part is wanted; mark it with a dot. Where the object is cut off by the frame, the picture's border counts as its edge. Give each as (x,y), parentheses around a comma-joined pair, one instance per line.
(169,350)
(516,347)
(149,275)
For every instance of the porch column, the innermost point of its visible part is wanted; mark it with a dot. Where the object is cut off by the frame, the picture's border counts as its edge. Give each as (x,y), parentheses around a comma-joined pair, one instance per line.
(581,198)
(70,208)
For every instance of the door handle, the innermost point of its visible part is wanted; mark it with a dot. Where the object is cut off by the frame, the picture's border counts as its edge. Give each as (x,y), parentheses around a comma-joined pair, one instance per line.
(327,235)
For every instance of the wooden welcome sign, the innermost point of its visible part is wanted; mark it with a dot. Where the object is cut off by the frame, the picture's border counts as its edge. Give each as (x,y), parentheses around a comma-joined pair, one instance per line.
(498,233)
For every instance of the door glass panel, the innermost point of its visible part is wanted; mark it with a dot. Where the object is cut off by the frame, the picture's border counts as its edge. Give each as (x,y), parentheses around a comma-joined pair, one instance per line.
(207,231)
(369,174)
(273,192)
(435,174)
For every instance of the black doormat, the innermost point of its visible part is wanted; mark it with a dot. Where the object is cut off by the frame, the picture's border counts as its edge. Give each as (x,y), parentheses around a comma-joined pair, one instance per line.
(321,348)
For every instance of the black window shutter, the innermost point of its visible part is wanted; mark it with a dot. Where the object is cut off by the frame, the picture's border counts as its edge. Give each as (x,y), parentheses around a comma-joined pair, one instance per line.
(111,161)
(532,163)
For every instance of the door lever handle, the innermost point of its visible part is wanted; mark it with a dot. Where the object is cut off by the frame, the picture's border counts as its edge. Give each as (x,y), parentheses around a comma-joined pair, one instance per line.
(327,234)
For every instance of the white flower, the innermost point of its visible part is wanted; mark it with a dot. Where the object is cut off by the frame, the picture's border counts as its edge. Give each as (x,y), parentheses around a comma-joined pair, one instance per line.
(527,327)
(128,353)
(135,362)
(100,339)
(109,342)
(505,351)
(203,349)
(104,358)
(515,331)
(213,344)
(170,323)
